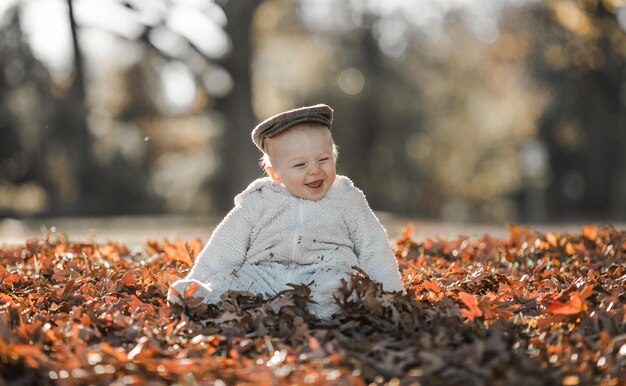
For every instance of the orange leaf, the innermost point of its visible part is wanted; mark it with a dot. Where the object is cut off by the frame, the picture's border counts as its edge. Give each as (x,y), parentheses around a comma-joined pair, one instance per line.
(586,292)
(129,279)
(432,285)
(191,290)
(472,303)
(590,232)
(194,247)
(6,299)
(574,305)
(185,254)
(335,359)
(406,233)
(181,251)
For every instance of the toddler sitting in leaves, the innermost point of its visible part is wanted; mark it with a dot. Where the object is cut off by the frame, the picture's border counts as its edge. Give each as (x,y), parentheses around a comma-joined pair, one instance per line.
(301,224)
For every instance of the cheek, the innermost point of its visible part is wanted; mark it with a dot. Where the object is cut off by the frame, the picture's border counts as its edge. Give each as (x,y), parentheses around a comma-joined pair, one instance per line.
(292,176)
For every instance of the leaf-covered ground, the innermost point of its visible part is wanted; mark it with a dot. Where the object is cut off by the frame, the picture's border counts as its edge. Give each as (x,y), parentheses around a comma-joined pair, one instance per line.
(534,309)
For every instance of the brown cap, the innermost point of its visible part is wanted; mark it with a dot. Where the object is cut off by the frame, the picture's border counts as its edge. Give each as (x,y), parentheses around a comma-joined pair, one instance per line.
(280,122)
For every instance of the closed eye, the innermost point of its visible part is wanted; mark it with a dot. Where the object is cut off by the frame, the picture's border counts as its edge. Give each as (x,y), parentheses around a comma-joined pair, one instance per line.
(324,159)
(298,165)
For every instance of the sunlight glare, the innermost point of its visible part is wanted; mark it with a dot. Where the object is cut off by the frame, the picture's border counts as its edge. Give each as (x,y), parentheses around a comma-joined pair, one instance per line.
(101,47)
(46,26)
(109,16)
(168,42)
(179,88)
(391,35)
(485,29)
(621,18)
(200,29)
(427,16)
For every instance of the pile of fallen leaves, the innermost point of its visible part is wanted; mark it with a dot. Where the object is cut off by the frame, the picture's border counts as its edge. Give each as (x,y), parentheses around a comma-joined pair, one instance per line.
(535,309)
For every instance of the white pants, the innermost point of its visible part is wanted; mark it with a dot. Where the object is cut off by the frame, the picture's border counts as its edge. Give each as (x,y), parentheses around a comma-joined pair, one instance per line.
(264,280)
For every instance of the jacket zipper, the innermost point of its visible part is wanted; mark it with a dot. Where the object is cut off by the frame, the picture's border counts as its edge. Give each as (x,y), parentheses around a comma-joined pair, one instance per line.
(294,242)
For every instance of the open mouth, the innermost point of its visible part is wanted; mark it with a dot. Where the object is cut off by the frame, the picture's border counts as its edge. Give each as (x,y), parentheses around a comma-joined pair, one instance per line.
(315,184)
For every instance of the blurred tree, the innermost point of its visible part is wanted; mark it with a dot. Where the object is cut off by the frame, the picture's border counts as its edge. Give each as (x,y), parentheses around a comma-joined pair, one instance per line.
(336,58)
(579,53)
(222,85)
(429,117)
(51,147)
(9,146)
(374,124)
(112,172)
(433,103)
(25,105)
(73,141)
(238,156)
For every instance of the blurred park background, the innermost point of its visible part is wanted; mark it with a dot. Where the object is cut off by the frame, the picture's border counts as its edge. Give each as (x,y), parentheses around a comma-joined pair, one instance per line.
(488,111)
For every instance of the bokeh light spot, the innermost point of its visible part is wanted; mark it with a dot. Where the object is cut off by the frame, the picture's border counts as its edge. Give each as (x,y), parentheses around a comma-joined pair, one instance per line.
(351,81)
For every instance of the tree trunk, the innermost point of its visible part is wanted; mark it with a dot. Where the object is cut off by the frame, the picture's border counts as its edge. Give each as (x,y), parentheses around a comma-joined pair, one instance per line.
(73,140)
(239,157)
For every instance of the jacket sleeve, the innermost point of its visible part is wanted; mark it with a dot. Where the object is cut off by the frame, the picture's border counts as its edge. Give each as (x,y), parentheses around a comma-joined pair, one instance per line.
(224,252)
(371,244)
(227,246)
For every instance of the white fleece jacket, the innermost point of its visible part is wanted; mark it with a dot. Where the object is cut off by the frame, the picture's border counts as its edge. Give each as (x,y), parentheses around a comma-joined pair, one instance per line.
(272,238)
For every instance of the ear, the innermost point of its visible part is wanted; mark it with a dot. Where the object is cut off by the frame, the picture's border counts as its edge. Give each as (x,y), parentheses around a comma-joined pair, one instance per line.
(271,172)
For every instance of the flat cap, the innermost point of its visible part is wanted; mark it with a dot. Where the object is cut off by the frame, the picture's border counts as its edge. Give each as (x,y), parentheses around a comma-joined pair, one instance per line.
(278,123)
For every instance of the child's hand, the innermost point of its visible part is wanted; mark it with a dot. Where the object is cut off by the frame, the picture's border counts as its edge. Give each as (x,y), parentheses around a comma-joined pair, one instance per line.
(182,291)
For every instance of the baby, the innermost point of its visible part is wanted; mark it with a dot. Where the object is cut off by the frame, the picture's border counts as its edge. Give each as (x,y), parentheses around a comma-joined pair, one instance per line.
(301,224)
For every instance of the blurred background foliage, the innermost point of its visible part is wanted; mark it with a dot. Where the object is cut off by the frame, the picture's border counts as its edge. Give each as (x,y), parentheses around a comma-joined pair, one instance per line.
(458,110)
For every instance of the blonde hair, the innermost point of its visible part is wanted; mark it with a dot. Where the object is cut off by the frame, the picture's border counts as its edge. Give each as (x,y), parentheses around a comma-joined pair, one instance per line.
(265,162)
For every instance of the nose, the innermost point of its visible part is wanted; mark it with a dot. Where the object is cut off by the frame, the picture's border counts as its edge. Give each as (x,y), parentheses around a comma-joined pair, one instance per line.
(315,169)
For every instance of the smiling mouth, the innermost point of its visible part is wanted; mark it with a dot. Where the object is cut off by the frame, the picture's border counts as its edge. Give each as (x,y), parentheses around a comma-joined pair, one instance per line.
(315,184)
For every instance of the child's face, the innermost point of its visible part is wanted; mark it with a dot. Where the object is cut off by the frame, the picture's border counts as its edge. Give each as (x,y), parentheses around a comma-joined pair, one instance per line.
(302,161)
